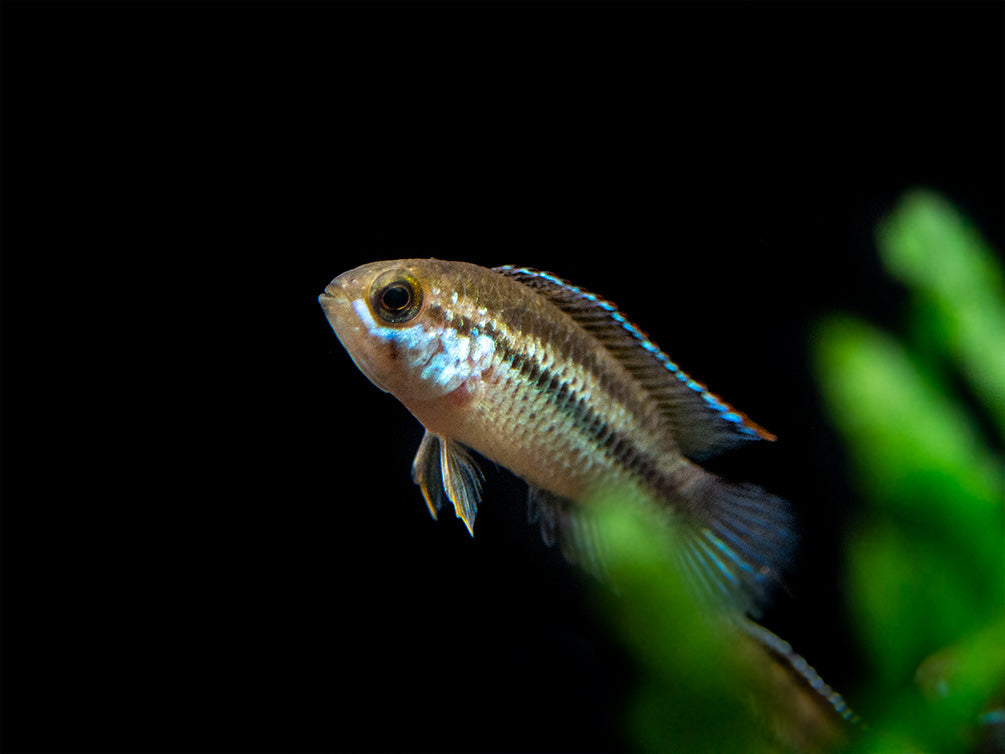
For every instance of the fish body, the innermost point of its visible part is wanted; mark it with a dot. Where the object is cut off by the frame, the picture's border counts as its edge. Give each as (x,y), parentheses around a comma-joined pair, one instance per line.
(555,384)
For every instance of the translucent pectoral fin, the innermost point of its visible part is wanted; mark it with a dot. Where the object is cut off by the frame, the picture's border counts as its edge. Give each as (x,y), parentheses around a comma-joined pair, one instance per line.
(426,472)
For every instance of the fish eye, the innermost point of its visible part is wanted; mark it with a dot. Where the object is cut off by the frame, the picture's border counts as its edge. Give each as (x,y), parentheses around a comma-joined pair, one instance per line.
(396,297)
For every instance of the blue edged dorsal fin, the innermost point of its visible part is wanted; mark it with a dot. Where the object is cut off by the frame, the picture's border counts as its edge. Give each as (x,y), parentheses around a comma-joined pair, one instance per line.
(570,525)
(444,468)
(701,423)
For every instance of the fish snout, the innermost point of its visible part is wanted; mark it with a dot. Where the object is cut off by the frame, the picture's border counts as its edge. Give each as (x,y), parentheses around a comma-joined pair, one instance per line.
(346,287)
(335,300)
(332,300)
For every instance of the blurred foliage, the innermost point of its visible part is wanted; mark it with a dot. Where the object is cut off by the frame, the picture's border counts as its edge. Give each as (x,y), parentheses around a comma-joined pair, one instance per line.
(958,292)
(694,679)
(704,683)
(925,555)
(925,562)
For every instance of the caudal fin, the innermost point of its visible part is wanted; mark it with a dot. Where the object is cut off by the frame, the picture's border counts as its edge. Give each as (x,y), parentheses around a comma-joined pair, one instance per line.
(735,539)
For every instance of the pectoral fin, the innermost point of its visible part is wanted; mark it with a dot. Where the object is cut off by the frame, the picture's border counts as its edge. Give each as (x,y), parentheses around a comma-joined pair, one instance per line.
(443,468)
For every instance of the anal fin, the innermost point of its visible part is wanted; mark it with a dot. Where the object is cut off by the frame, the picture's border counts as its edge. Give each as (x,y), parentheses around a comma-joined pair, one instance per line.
(571,526)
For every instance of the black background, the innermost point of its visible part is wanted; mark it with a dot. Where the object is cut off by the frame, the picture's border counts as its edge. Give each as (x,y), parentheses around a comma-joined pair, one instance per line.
(210,537)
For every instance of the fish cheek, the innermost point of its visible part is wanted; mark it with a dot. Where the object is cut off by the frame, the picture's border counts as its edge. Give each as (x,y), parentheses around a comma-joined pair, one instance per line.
(393,364)
(380,361)
(402,374)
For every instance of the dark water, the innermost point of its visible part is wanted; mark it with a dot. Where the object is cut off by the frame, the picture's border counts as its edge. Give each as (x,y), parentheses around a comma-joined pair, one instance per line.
(211,541)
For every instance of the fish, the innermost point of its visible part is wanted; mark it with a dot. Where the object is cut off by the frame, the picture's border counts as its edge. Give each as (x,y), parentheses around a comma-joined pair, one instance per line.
(557,385)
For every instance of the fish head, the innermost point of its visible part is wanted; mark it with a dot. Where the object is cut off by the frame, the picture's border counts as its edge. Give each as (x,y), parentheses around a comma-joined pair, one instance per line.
(395,319)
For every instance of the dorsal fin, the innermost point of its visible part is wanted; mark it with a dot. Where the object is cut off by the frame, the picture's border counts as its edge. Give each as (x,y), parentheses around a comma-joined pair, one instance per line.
(702,424)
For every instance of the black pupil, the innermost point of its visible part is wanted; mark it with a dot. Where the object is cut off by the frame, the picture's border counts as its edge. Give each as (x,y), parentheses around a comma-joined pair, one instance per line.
(396,297)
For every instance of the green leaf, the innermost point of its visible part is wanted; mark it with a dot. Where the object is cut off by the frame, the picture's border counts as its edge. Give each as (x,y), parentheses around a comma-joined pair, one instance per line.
(929,246)
(925,561)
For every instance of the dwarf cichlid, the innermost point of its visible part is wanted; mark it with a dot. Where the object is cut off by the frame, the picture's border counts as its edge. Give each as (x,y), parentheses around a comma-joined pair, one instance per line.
(555,384)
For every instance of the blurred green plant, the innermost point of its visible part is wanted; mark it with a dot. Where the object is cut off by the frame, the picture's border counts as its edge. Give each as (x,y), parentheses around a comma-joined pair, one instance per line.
(705,682)
(925,560)
(693,678)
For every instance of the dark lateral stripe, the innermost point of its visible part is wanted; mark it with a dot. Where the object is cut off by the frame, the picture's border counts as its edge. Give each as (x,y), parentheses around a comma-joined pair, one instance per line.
(584,417)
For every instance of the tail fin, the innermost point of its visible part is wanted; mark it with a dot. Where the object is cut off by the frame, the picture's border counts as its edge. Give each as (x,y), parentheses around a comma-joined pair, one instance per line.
(736,538)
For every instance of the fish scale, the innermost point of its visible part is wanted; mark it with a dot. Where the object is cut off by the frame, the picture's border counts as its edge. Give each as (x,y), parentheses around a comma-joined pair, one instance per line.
(573,411)
(527,373)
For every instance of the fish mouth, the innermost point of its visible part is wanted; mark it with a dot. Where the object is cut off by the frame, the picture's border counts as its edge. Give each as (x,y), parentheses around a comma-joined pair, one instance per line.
(334,301)
(331,294)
